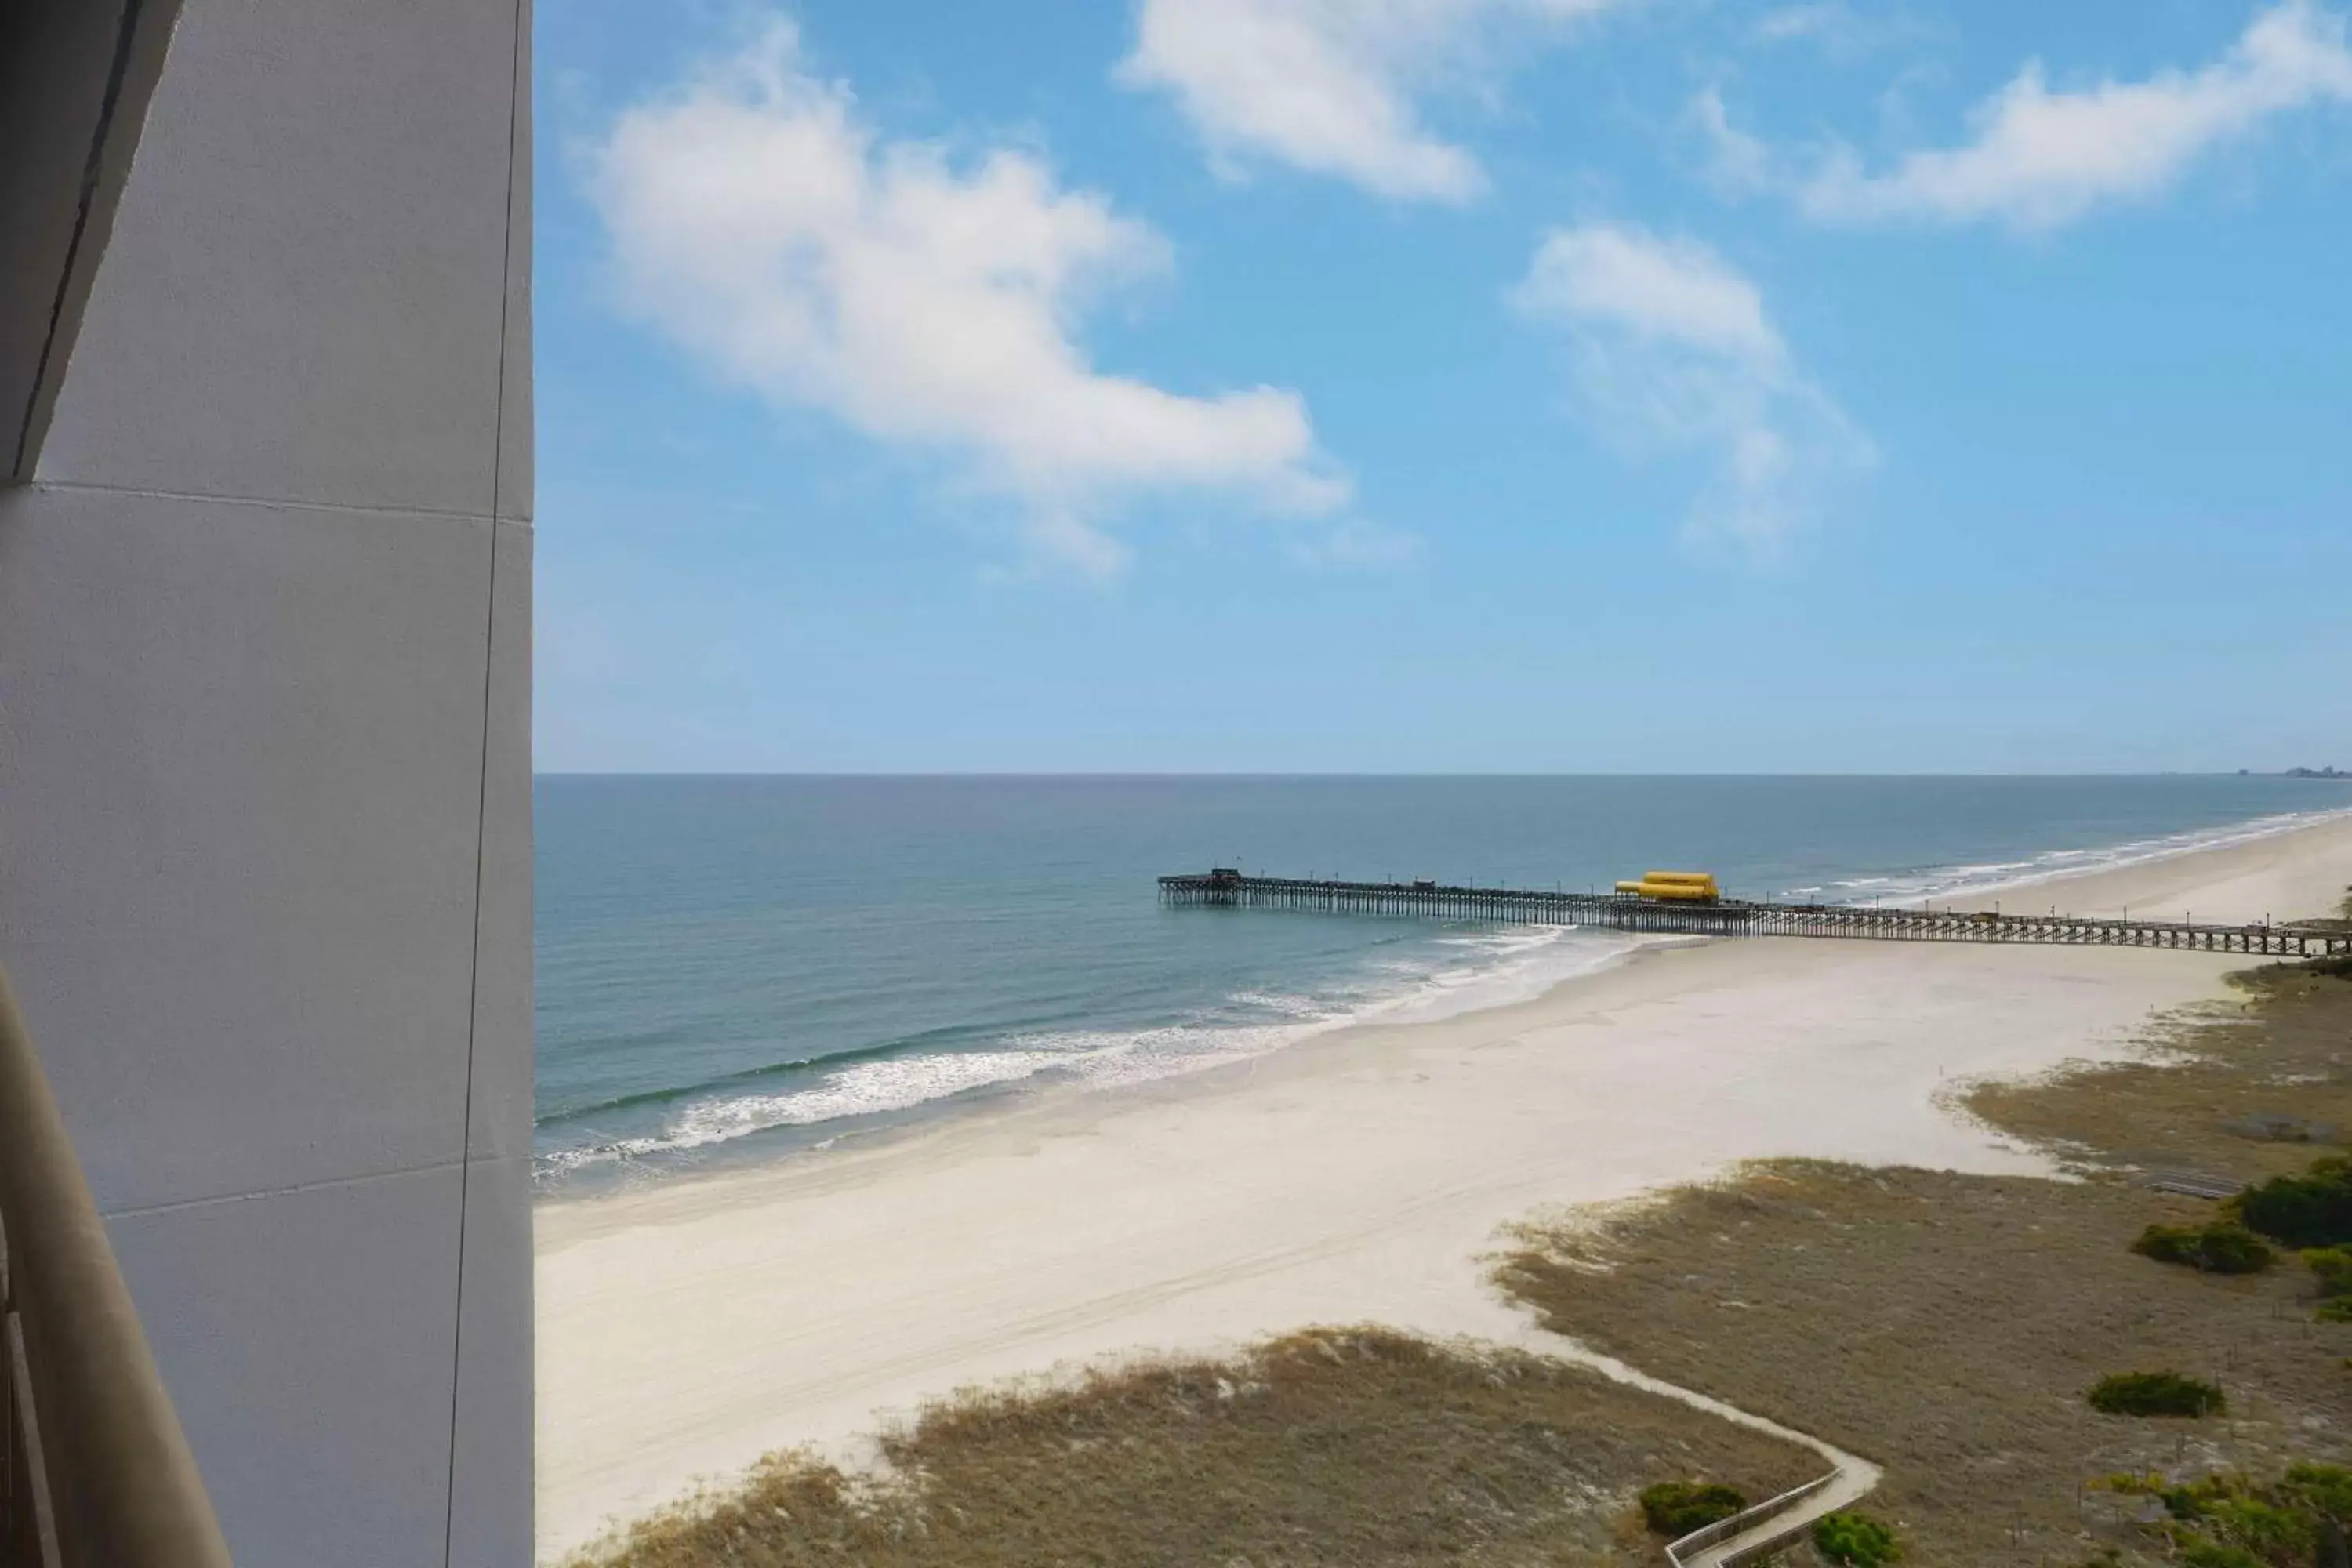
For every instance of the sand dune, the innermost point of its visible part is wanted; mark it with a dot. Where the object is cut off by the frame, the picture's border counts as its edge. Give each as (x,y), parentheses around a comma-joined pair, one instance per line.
(1359,1175)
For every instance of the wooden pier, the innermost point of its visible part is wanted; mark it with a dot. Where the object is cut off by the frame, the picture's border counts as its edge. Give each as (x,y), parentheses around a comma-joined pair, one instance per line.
(1618,911)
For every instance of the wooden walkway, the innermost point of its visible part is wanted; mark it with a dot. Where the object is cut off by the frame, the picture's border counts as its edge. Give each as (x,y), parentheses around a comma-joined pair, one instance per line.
(1616,912)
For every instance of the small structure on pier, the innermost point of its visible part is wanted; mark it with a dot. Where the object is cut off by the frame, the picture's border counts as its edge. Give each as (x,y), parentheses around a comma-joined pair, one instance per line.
(1675,888)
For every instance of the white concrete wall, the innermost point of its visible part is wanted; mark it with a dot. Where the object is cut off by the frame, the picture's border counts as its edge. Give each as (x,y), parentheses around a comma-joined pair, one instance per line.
(265,838)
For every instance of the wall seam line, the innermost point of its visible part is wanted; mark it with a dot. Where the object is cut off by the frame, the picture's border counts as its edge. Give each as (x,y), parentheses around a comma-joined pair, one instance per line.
(276,503)
(482,799)
(294,1189)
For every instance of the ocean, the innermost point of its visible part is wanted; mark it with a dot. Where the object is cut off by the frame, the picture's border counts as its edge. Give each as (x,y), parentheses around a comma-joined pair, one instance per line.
(734,969)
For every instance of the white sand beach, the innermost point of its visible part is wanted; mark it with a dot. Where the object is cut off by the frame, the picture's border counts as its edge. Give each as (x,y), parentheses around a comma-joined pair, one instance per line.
(1359,1175)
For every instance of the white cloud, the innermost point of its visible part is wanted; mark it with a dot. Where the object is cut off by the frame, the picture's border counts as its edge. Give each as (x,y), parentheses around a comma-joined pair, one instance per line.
(1838,28)
(1740,162)
(1330,85)
(1355,545)
(925,303)
(1673,291)
(1815,19)
(1673,351)
(2041,158)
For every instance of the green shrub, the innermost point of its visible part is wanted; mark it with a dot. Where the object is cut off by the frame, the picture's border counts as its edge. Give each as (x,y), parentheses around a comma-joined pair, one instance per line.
(2167,1243)
(2322,1489)
(2313,1210)
(2272,1533)
(2198,1551)
(1676,1508)
(2224,1246)
(2334,1266)
(1855,1540)
(2192,1501)
(2230,1520)
(2335,1309)
(2155,1394)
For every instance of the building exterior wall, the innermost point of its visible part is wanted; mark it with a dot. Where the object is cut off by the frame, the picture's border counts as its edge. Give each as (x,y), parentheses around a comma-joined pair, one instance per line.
(265,838)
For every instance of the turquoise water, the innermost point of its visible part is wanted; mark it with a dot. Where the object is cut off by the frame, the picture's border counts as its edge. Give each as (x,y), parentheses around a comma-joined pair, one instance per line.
(735,968)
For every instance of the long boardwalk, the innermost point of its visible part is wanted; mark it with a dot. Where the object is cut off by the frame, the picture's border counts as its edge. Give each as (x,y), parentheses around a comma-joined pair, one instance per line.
(1508,906)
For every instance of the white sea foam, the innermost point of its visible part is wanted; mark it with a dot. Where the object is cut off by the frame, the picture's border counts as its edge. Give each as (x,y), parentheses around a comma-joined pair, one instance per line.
(1496,968)
(861,1089)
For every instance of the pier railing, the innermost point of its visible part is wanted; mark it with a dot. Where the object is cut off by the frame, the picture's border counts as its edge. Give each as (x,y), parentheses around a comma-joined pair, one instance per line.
(1693,1549)
(97,1472)
(1623,911)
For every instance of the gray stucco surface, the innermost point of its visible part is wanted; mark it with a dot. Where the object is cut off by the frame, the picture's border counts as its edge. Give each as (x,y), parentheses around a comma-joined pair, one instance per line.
(75,78)
(265,771)
(315,232)
(243,791)
(299,1332)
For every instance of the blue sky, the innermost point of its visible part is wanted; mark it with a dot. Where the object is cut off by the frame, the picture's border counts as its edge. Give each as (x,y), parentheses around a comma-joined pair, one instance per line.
(1443,385)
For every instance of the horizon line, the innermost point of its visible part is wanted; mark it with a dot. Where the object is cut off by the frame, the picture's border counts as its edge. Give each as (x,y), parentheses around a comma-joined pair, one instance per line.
(2321,775)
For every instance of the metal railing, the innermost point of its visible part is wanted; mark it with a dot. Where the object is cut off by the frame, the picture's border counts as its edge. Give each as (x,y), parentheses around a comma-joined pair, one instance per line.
(98,1472)
(1688,1551)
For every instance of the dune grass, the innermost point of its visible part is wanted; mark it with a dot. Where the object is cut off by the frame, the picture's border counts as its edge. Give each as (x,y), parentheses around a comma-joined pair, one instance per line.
(2247,1091)
(1330,1446)
(1950,1326)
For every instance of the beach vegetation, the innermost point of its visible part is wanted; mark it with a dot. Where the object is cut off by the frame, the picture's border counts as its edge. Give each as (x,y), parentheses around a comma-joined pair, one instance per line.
(2218,1246)
(2201,1079)
(1969,1312)
(2324,1491)
(2311,1210)
(1326,1448)
(2230,1519)
(1854,1540)
(1674,1509)
(2155,1394)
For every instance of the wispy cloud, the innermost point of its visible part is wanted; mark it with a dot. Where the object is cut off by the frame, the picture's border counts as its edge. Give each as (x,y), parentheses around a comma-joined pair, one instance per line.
(2039,158)
(1813,19)
(928,303)
(1839,29)
(1739,163)
(1332,87)
(1356,545)
(1672,351)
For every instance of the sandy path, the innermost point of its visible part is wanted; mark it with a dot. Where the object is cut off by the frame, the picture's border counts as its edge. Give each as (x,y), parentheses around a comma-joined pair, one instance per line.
(1852,1477)
(1358,1176)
